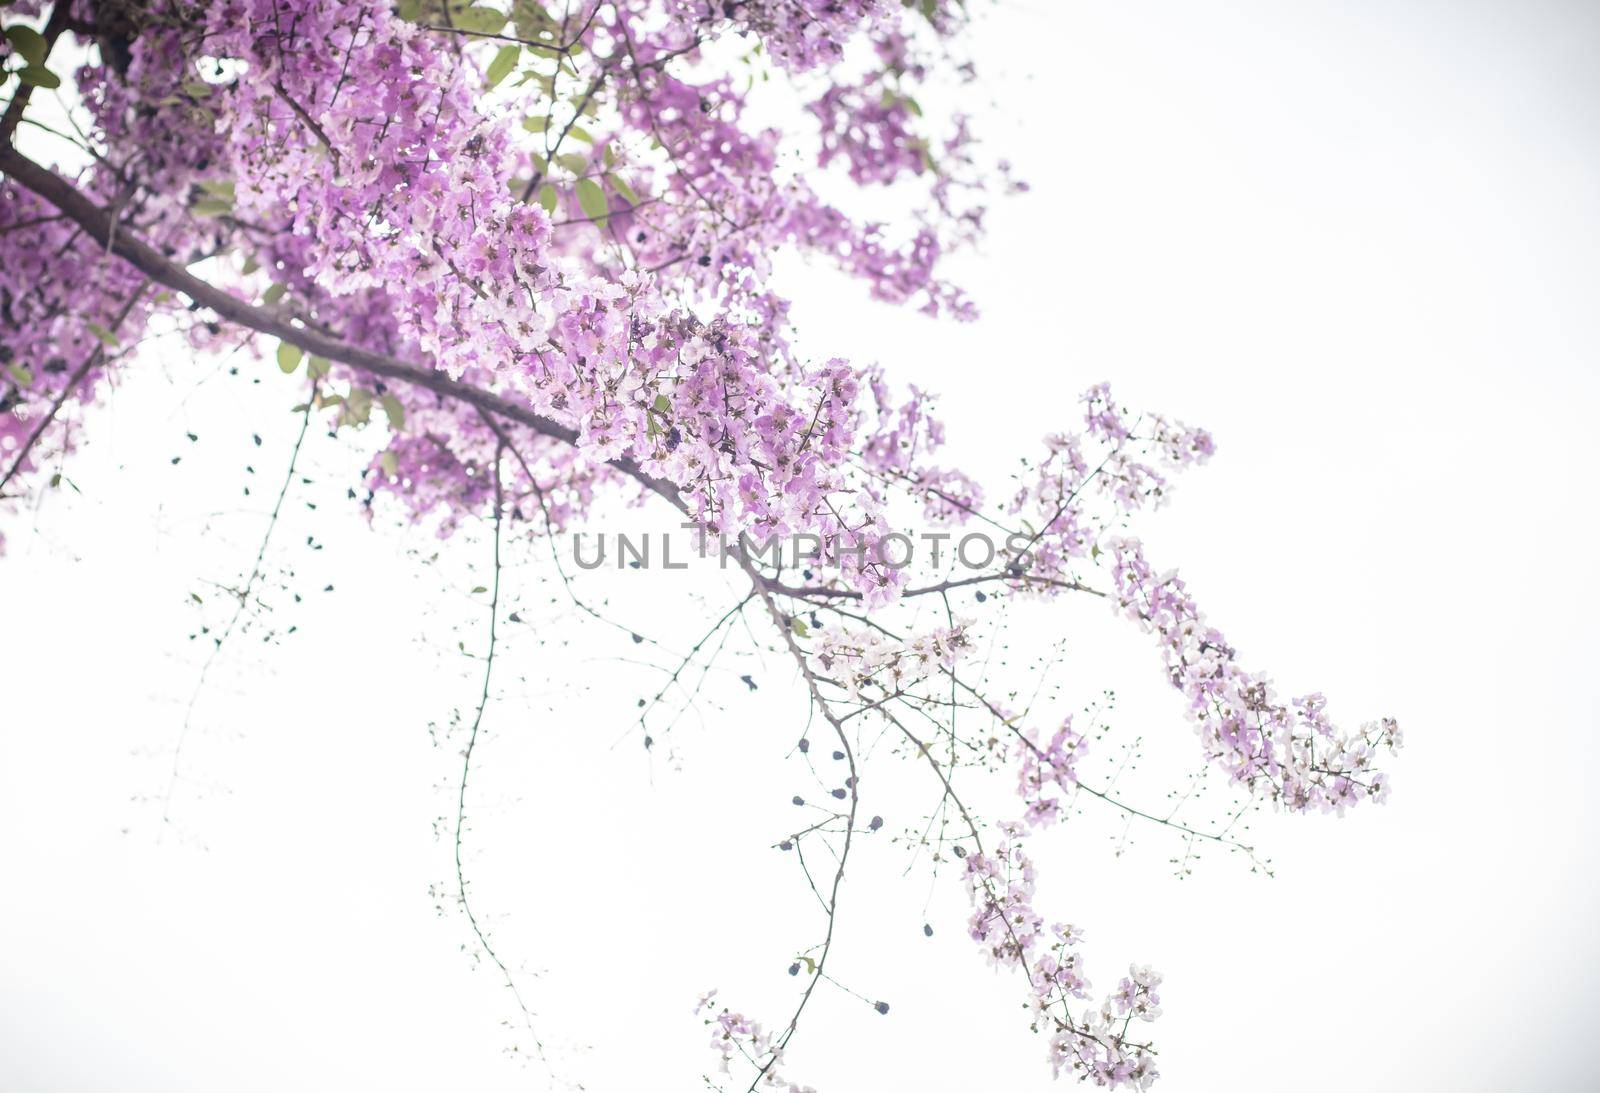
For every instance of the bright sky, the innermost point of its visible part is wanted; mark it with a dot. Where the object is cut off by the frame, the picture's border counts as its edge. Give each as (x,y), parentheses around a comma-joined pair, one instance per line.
(1356,240)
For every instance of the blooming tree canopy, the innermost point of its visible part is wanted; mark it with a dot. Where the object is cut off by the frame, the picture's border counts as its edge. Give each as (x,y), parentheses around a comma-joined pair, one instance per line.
(532,244)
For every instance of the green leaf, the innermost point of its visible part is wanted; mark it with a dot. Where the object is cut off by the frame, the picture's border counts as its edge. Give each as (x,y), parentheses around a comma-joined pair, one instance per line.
(395,412)
(21,373)
(548,198)
(274,293)
(573,162)
(478,20)
(581,133)
(623,189)
(504,61)
(357,407)
(531,17)
(389,463)
(477,589)
(536,125)
(592,200)
(289,356)
(800,628)
(38,76)
(211,206)
(105,336)
(662,404)
(28,42)
(318,367)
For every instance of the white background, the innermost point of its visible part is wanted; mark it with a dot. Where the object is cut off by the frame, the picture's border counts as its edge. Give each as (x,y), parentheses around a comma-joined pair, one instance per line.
(1356,240)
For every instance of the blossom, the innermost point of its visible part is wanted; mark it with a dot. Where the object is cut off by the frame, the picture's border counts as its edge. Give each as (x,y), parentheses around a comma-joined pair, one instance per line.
(1287,750)
(857,660)
(544,295)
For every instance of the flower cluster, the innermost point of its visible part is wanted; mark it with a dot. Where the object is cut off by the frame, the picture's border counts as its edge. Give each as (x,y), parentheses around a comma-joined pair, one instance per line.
(1047,773)
(858,660)
(869,126)
(349,157)
(65,313)
(559,233)
(1089,481)
(1288,751)
(733,1035)
(799,36)
(1092,1042)
(1125,476)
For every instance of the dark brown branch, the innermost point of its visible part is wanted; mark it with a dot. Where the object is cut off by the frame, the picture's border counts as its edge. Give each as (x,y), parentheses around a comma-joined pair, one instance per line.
(98,224)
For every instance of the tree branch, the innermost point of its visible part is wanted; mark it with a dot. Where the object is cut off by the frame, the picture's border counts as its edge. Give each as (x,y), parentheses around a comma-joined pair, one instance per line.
(98,224)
